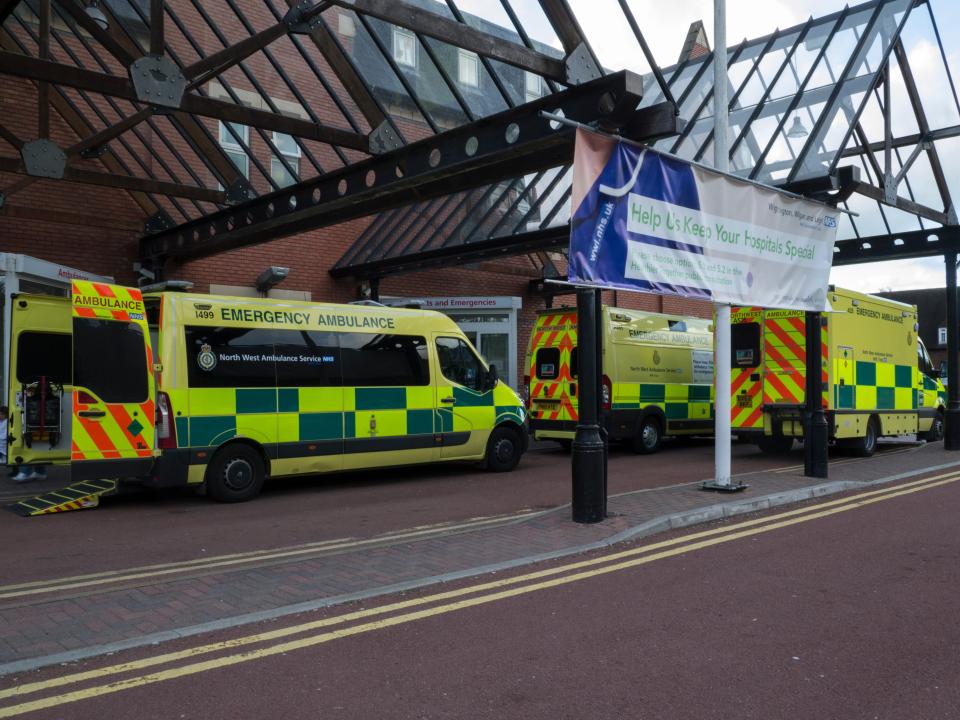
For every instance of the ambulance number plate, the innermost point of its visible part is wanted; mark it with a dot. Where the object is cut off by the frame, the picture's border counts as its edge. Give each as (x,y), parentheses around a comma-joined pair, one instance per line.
(744,401)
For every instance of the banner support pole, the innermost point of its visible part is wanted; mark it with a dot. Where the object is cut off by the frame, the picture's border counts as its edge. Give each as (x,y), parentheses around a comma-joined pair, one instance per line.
(721,331)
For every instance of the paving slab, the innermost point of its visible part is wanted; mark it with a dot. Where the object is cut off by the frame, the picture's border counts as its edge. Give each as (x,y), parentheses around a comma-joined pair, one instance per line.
(71,623)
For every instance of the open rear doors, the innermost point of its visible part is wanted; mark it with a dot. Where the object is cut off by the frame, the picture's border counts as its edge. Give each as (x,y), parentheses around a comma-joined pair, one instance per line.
(113,418)
(39,382)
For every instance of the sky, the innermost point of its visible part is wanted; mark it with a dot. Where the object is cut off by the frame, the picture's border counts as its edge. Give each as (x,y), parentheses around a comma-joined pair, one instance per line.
(665,26)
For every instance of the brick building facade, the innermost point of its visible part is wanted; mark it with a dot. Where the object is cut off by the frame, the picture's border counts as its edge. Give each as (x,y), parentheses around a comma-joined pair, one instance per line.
(96,229)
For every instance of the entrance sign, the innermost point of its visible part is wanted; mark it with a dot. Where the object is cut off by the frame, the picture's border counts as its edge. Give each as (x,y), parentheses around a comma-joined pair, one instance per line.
(645,221)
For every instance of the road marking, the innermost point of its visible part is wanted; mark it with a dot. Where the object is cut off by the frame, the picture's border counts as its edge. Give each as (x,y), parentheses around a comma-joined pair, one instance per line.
(221,561)
(670,548)
(847,461)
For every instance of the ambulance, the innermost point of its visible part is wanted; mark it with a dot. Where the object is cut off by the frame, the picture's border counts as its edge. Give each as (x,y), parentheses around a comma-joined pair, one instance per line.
(657,376)
(878,379)
(173,389)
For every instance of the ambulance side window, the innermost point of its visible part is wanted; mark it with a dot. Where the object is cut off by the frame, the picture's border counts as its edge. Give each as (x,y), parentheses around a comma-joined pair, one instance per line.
(383,360)
(575,362)
(307,359)
(745,345)
(230,357)
(109,360)
(548,363)
(43,354)
(459,364)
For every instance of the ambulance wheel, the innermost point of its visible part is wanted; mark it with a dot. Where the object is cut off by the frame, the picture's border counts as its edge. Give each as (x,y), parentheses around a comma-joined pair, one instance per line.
(775,444)
(867,445)
(504,449)
(935,433)
(649,435)
(235,474)
(566,445)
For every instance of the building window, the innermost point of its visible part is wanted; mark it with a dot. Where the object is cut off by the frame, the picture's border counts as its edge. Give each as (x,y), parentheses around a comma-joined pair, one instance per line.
(346,25)
(468,68)
(533,86)
(233,147)
(291,153)
(404,47)
(942,335)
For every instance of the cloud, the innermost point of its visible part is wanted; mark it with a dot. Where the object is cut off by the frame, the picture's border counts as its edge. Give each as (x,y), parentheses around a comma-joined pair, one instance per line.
(892,275)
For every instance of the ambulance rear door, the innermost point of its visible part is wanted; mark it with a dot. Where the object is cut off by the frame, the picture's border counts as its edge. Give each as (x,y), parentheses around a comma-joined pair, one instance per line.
(746,384)
(554,367)
(39,382)
(113,422)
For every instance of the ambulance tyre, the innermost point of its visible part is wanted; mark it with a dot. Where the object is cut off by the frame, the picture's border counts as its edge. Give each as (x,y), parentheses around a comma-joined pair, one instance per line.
(235,474)
(935,433)
(649,435)
(867,445)
(504,448)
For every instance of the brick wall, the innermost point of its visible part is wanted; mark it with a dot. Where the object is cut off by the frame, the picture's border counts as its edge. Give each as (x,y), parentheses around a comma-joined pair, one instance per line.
(97,228)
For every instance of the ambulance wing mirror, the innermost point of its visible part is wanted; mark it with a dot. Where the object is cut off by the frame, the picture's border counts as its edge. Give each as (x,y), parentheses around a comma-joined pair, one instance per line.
(491,378)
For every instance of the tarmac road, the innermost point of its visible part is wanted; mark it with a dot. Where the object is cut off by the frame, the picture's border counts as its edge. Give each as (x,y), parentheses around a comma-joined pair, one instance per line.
(843,608)
(158,527)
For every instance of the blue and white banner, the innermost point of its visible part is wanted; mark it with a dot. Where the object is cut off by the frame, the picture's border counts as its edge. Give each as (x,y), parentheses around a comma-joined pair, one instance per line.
(644,221)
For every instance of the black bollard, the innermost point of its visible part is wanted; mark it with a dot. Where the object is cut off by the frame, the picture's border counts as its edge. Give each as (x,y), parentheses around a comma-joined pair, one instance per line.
(816,434)
(589,451)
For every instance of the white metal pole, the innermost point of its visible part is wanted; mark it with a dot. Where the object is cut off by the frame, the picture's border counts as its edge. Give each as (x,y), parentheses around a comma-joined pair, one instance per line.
(722,361)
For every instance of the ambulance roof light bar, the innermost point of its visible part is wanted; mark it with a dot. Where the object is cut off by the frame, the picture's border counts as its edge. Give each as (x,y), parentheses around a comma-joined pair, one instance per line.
(168,286)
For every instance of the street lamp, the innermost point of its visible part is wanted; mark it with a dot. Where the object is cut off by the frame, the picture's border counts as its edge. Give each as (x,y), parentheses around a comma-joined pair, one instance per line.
(96,14)
(270,277)
(797,130)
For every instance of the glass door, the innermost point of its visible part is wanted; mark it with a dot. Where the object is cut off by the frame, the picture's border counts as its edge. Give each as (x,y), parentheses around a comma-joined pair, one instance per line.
(493,335)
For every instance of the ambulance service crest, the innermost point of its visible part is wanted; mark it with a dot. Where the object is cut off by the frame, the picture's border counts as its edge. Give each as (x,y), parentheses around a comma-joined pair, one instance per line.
(206,359)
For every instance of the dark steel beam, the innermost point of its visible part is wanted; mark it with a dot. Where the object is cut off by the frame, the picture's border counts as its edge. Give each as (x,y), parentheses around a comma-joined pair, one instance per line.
(125,182)
(10,136)
(156,27)
(903,141)
(917,102)
(346,72)
(902,203)
(398,12)
(457,255)
(82,79)
(43,96)
(499,147)
(564,23)
(106,37)
(81,126)
(6,9)
(212,65)
(902,246)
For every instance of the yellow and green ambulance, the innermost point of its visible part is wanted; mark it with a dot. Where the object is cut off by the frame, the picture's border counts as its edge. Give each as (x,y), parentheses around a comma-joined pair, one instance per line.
(657,376)
(176,389)
(878,379)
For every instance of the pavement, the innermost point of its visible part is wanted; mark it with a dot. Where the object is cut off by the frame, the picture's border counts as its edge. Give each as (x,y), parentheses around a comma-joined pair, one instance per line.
(71,617)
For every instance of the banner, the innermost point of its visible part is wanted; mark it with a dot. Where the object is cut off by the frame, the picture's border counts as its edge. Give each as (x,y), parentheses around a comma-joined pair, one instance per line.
(644,221)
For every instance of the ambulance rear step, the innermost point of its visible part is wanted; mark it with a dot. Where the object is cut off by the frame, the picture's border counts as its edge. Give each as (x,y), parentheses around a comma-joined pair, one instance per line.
(78,496)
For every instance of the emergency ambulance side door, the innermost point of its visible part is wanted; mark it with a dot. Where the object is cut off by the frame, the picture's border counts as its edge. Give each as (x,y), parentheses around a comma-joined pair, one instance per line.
(746,385)
(465,413)
(39,384)
(113,389)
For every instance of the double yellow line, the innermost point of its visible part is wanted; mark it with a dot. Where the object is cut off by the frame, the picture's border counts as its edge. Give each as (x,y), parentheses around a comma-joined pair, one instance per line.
(105,580)
(120,677)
